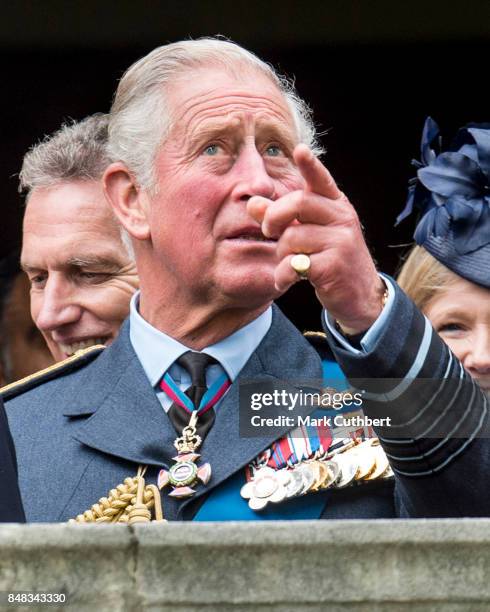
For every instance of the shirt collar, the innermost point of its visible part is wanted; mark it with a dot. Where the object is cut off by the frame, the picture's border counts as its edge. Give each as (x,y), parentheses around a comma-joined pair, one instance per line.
(157,351)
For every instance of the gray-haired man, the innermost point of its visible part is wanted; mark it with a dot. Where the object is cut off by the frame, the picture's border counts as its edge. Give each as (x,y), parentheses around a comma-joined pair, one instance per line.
(81,269)
(216,181)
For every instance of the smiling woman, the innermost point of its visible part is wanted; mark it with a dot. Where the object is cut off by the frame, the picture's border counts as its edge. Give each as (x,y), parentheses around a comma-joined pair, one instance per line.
(458,309)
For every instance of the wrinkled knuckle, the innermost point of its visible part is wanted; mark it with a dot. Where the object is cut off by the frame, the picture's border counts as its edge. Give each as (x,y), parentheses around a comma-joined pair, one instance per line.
(289,235)
(347,235)
(302,204)
(351,219)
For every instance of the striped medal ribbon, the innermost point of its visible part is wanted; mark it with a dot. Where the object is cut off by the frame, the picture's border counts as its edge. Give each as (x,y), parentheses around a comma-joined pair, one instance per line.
(209,399)
(184,475)
(299,444)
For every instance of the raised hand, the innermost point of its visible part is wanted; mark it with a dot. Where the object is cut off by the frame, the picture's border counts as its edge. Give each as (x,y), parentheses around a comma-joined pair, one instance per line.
(320,221)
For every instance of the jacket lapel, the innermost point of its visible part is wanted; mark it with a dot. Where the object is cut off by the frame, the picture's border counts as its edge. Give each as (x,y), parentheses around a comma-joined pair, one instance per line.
(118,413)
(127,420)
(283,355)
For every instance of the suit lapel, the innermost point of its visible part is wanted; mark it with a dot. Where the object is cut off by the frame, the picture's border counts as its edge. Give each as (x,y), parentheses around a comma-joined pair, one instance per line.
(128,420)
(282,355)
(124,419)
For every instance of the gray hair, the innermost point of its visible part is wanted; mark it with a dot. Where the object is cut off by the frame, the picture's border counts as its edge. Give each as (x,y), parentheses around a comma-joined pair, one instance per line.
(140,121)
(78,151)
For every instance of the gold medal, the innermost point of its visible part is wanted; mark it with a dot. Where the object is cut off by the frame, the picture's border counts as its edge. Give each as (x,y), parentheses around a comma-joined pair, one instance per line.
(322,475)
(381,463)
(365,457)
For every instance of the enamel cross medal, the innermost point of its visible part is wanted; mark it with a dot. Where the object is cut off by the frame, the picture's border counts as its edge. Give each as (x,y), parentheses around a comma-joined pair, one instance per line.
(185,474)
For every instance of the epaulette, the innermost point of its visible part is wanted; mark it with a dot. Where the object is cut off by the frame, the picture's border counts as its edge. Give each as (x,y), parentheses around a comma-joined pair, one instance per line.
(76,361)
(316,337)
(318,340)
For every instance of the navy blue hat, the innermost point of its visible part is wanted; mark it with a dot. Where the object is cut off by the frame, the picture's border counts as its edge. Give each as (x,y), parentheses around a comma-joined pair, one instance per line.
(452,194)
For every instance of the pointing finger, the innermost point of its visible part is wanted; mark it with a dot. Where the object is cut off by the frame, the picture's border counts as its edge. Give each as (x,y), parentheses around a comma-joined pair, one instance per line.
(318,178)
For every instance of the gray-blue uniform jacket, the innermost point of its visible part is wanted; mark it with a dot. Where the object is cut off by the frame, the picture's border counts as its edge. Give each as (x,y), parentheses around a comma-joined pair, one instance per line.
(90,424)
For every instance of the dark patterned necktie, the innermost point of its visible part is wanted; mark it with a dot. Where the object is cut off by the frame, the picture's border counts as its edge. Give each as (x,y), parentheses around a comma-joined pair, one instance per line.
(195,364)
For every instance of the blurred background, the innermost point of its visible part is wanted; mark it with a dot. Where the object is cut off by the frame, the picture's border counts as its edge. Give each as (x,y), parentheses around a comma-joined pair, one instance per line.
(371,70)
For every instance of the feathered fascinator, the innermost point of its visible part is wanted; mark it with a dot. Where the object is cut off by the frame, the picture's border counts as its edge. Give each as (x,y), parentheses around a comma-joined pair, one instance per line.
(451,192)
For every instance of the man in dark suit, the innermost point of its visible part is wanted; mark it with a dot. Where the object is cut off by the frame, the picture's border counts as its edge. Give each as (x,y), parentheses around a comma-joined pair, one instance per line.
(11,510)
(227,204)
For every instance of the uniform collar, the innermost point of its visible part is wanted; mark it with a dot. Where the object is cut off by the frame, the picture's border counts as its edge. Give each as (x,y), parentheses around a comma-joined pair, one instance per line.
(157,351)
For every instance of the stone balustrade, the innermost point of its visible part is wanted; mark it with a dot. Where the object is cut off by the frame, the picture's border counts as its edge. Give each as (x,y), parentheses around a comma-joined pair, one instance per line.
(416,565)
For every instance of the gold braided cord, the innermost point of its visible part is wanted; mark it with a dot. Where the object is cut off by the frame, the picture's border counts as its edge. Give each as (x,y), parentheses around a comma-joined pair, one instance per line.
(59,365)
(130,502)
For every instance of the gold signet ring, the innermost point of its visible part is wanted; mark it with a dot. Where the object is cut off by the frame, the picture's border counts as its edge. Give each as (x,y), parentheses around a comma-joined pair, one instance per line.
(301,264)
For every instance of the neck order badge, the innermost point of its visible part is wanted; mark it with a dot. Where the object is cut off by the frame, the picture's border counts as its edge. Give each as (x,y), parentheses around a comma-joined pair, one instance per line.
(198,402)
(184,474)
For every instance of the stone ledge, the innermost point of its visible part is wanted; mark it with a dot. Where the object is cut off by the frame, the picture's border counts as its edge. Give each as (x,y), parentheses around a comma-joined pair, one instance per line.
(349,565)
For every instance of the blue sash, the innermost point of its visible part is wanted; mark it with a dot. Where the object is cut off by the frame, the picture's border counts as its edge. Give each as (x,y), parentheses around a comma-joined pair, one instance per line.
(225,503)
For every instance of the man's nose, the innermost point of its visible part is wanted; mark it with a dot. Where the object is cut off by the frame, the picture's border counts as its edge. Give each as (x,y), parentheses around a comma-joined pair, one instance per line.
(478,359)
(252,176)
(59,305)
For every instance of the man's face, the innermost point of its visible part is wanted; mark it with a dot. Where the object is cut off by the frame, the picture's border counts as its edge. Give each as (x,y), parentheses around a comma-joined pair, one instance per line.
(233,138)
(80,273)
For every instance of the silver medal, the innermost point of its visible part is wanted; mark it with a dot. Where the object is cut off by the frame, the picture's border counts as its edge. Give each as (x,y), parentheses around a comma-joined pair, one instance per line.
(334,469)
(267,485)
(296,483)
(307,475)
(348,470)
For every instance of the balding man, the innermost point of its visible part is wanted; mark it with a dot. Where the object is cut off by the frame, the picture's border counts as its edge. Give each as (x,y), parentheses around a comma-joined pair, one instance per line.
(217,182)
(80,266)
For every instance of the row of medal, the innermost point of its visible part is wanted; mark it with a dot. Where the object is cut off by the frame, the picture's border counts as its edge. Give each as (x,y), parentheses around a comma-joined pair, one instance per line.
(353,462)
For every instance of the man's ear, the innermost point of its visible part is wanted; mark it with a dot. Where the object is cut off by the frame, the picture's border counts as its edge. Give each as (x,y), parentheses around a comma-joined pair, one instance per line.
(129,202)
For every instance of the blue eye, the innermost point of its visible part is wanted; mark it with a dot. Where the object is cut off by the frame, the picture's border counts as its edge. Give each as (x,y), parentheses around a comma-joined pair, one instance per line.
(449,327)
(38,281)
(211,149)
(273,151)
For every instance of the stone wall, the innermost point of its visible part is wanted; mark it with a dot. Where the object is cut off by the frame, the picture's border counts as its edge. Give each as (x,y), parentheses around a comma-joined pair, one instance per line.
(281,566)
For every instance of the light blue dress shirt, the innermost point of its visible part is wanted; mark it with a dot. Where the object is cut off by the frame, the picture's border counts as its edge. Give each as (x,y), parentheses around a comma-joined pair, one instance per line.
(158,352)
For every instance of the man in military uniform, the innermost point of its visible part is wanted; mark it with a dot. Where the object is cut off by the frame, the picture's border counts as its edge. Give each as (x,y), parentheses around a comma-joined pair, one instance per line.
(218,184)
(80,267)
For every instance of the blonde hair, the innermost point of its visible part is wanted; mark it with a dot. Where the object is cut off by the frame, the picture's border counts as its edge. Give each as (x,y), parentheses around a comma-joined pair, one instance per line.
(422,276)
(140,119)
